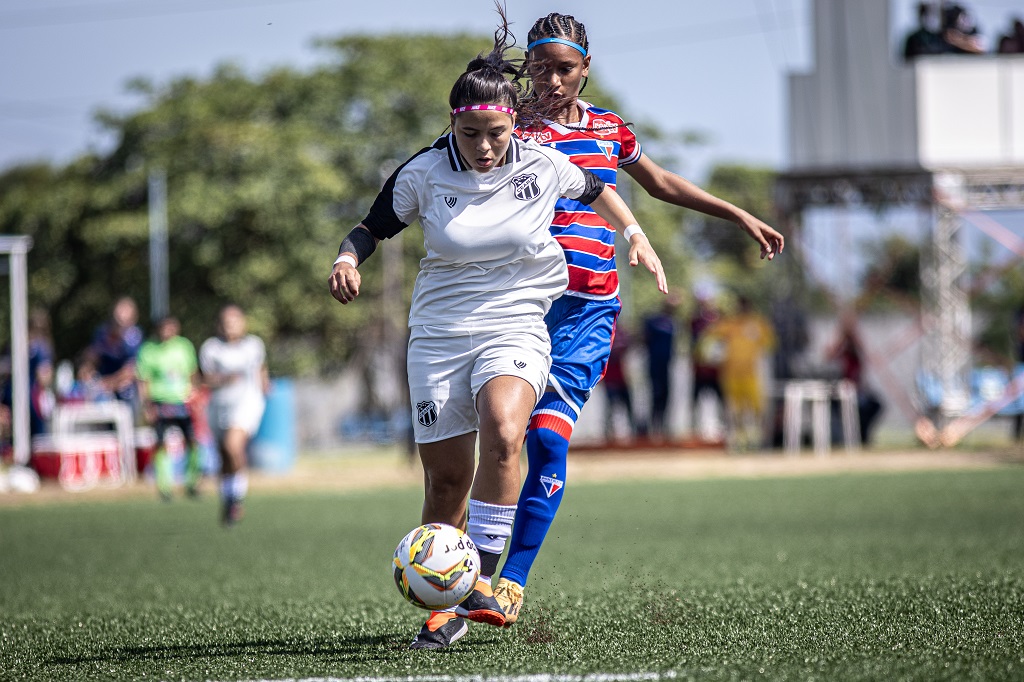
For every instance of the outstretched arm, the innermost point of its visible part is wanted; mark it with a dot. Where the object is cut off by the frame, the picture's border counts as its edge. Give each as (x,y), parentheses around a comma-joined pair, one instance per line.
(674,189)
(613,209)
(345,279)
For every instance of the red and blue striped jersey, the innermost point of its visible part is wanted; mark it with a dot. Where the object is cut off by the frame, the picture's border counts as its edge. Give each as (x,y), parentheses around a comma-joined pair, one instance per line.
(601,143)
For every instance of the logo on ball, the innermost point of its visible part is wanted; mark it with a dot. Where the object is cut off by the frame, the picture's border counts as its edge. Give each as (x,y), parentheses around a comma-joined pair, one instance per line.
(436,566)
(426,412)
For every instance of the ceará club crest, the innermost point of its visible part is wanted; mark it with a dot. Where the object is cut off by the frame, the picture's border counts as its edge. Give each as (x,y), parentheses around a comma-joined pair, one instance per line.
(525,186)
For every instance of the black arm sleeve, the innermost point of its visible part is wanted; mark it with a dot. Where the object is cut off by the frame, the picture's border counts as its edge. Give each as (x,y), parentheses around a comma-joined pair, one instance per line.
(359,242)
(595,186)
(382,222)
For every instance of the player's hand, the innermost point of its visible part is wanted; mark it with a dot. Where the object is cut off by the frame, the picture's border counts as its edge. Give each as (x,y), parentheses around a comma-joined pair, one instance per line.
(641,251)
(772,242)
(344,282)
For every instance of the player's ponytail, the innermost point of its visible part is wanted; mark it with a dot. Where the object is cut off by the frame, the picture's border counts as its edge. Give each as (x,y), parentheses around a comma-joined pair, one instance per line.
(493,78)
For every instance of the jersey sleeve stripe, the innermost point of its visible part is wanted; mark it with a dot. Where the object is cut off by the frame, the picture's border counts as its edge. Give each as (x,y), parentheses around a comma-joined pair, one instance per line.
(631,158)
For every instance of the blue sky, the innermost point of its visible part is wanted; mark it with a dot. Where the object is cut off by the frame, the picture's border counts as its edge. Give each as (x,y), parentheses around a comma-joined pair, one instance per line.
(714,67)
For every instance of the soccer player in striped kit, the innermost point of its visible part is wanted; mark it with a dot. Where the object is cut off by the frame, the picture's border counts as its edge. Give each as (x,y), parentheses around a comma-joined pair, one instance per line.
(479,351)
(582,322)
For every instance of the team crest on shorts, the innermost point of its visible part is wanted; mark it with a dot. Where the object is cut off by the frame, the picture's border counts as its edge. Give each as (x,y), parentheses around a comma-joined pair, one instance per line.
(426,412)
(526,187)
(551,484)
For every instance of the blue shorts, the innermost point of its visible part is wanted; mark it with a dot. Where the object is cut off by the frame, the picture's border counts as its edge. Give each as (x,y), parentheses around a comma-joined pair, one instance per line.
(581,333)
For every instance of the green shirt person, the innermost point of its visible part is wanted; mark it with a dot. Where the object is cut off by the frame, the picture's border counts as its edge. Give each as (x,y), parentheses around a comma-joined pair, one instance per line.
(167,370)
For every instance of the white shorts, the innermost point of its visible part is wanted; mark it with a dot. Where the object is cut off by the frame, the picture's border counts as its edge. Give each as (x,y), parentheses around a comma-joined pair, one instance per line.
(245,414)
(446,371)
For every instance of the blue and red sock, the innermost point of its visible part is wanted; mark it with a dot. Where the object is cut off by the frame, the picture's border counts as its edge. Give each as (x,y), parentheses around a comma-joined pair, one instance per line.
(547,448)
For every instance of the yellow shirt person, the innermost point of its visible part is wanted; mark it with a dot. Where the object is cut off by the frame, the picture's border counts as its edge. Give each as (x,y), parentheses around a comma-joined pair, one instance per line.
(746,338)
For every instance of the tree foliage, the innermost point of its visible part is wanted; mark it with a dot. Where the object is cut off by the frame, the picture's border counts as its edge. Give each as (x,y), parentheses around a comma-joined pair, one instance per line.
(894,269)
(752,189)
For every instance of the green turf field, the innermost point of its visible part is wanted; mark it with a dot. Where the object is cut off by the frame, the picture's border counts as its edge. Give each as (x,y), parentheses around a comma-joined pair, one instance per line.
(897,576)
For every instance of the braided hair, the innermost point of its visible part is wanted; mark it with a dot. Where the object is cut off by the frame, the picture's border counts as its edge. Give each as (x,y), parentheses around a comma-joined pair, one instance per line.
(557,25)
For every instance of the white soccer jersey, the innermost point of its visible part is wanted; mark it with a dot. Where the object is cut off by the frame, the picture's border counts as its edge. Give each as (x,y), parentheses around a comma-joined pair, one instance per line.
(490,253)
(243,359)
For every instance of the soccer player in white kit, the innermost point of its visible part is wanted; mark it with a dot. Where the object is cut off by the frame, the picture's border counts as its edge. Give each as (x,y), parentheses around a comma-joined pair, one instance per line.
(233,364)
(479,351)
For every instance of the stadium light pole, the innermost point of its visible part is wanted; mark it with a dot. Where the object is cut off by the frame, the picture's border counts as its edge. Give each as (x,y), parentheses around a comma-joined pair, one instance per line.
(159,277)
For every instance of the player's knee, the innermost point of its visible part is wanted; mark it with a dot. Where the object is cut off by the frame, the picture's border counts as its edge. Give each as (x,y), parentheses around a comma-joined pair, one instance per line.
(506,443)
(447,486)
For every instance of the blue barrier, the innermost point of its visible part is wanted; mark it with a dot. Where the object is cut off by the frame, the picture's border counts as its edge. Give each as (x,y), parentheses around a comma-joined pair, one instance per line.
(274,446)
(989,384)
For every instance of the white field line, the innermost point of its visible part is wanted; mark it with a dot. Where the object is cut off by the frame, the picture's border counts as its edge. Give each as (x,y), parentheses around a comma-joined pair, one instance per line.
(539,677)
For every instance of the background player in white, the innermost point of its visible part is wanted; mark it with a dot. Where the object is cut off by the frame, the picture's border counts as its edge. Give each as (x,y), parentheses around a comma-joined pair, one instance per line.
(233,364)
(479,351)
(582,323)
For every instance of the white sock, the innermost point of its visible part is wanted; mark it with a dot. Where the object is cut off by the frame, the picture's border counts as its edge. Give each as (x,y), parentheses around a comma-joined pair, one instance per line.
(241,486)
(489,527)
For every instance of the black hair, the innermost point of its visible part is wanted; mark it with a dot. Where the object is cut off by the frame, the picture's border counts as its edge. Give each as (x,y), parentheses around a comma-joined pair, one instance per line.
(484,80)
(557,25)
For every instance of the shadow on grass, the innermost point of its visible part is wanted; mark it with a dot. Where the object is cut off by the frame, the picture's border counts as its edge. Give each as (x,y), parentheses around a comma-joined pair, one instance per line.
(342,649)
(354,648)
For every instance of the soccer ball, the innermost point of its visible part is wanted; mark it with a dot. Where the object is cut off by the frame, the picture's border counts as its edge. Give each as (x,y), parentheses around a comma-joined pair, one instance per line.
(436,566)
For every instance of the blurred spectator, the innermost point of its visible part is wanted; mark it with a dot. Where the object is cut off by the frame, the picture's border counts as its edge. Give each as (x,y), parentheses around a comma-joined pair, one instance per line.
(5,404)
(927,39)
(747,338)
(78,382)
(959,32)
(848,351)
(167,369)
(110,358)
(616,383)
(41,399)
(40,371)
(790,323)
(234,368)
(705,352)
(1013,42)
(1018,347)
(659,337)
